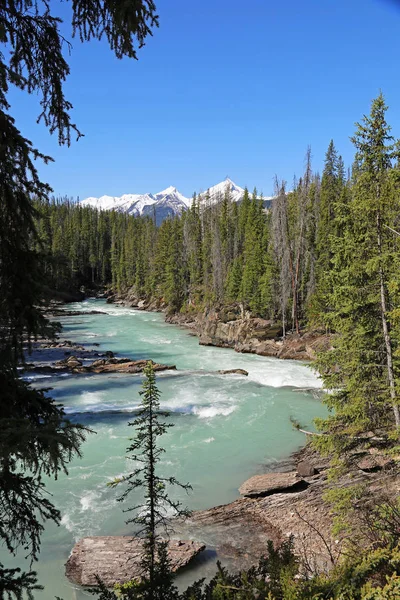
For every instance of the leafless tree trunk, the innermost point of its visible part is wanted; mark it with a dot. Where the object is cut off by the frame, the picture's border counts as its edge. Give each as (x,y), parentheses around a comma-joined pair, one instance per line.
(385,327)
(281,246)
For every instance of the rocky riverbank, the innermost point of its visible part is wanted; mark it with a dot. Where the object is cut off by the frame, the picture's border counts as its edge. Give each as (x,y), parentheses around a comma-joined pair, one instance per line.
(233,327)
(273,506)
(117,559)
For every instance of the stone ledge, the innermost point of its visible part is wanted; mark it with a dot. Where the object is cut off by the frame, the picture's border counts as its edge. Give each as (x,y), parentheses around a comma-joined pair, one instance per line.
(116,559)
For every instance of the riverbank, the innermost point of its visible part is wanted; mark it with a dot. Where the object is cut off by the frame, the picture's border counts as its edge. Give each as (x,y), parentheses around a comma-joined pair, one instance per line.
(232,327)
(227,426)
(296,508)
(216,422)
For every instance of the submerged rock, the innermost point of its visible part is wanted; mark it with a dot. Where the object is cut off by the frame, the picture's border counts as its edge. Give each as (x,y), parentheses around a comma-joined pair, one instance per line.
(233,371)
(116,559)
(271,483)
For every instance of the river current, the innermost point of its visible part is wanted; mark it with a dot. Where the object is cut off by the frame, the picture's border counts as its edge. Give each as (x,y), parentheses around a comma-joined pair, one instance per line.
(227,427)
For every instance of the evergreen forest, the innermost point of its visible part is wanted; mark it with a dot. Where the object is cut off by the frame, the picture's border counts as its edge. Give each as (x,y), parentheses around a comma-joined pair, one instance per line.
(324,257)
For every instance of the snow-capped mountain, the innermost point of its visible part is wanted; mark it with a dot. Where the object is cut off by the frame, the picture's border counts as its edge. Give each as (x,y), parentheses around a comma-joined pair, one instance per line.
(216,193)
(171,194)
(167,203)
(129,203)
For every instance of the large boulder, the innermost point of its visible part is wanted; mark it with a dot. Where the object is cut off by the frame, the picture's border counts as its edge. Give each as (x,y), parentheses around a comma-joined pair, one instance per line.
(117,559)
(306,469)
(271,483)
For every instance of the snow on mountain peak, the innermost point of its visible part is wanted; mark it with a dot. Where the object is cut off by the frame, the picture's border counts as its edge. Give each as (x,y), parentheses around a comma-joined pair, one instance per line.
(168,202)
(170,190)
(215,193)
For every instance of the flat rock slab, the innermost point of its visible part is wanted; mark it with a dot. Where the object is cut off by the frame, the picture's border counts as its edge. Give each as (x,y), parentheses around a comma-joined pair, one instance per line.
(271,483)
(116,559)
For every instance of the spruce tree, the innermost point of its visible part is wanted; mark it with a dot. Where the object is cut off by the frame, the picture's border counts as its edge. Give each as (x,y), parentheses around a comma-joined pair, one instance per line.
(332,185)
(35,438)
(362,369)
(150,515)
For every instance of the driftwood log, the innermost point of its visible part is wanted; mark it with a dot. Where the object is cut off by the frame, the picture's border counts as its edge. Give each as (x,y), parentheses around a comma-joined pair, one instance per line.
(116,559)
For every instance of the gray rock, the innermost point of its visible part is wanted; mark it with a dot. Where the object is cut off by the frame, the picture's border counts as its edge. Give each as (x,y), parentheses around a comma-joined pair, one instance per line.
(233,371)
(98,363)
(305,469)
(116,559)
(374,462)
(271,483)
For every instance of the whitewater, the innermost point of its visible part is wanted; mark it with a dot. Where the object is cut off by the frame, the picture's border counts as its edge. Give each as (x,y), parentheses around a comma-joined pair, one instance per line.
(226,427)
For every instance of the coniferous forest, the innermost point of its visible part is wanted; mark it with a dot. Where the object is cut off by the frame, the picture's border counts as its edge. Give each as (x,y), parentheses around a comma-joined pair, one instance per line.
(324,256)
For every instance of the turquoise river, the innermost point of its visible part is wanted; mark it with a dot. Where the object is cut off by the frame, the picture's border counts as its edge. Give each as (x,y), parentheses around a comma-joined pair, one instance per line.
(227,427)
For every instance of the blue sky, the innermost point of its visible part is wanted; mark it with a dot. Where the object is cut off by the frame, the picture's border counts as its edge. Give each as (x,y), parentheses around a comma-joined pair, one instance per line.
(224,88)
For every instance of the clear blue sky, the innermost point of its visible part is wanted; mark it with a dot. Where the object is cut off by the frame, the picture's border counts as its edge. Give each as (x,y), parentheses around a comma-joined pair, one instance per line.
(223,88)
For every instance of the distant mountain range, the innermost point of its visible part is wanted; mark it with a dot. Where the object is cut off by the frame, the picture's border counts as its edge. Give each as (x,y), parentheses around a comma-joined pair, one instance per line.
(168,203)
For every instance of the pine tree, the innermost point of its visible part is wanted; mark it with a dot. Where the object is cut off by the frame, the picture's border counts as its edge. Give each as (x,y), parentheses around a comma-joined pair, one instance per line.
(363,367)
(253,255)
(150,516)
(35,438)
(332,186)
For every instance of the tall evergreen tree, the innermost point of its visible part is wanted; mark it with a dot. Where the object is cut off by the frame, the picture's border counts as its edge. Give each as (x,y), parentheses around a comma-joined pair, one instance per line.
(332,185)
(150,516)
(35,438)
(363,368)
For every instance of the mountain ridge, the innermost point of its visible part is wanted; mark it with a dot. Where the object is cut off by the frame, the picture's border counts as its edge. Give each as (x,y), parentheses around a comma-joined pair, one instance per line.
(168,202)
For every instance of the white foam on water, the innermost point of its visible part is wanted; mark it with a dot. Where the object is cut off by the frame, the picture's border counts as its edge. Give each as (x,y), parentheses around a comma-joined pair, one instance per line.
(91,397)
(88,501)
(84,512)
(66,520)
(279,373)
(209,440)
(209,412)
(151,339)
(36,377)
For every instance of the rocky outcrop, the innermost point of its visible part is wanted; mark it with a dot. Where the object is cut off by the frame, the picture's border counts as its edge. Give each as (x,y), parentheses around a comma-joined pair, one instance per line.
(131,299)
(121,365)
(239,530)
(116,559)
(109,365)
(237,329)
(234,327)
(227,328)
(257,336)
(44,345)
(233,372)
(270,483)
